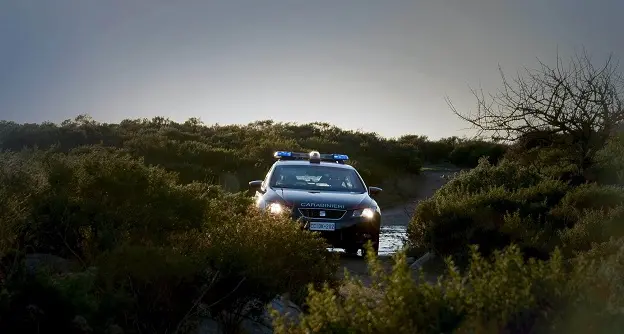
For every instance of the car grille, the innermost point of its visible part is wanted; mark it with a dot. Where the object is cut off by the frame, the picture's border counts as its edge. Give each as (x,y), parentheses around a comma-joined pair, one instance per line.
(322,213)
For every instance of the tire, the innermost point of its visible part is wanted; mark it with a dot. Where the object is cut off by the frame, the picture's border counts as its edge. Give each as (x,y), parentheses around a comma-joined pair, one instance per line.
(351,250)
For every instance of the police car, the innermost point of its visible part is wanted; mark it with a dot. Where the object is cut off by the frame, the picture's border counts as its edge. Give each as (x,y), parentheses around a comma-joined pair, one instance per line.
(325,195)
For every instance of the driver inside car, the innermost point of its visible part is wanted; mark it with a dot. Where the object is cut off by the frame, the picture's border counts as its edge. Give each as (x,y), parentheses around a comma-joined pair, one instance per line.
(335,183)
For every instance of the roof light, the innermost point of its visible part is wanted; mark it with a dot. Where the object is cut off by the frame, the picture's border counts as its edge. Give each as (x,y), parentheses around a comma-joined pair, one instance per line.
(315,156)
(280,154)
(312,156)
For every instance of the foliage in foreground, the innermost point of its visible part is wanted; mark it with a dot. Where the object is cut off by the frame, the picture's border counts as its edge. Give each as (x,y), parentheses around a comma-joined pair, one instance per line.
(139,250)
(503,294)
(494,206)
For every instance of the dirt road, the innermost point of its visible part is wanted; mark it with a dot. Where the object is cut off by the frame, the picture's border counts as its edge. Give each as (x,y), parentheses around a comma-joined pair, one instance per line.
(395,221)
(430,180)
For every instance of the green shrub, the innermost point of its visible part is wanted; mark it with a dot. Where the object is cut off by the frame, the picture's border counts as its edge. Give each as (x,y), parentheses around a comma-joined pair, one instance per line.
(587,197)
(232,155)
(548,161)
(593,227)
(479,208)
(96,200)
(231,269)
(594,196)
(502,294)
(609,167)
(149,288)
(152,254)
(507,174)
(506,294)
(468,153)
(493,206)
(594,300)
(253,245)
(19,182)
(34,304)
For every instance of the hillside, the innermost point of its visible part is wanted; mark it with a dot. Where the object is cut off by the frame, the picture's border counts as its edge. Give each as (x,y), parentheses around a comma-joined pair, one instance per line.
(109,227)
(232,155)
(128,225)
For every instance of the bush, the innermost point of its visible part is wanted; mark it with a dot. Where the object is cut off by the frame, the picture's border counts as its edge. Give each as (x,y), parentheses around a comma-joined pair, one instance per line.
(588,197)
(468,153)
(594,291)
(507,174)
(19,182)
(609,167)
(34,304)
(501,294)
(232,155)
(96,200)
(506,294)
(152,254)
(491,206)
(548,159)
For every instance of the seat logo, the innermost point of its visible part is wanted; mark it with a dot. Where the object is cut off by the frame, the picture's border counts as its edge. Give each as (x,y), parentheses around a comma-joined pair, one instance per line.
(322,205)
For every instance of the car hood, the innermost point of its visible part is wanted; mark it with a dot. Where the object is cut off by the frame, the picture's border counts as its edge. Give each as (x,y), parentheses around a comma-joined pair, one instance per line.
(322,199)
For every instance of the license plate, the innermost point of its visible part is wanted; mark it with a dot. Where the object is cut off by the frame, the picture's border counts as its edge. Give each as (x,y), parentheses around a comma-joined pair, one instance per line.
(322,226)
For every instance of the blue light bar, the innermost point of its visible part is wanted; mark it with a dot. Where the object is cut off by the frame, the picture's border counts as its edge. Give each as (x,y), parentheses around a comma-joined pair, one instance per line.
(289,155)
(280,154)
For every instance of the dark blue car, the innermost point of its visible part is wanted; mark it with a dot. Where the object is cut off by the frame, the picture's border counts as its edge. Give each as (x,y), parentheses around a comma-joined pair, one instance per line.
(325,195)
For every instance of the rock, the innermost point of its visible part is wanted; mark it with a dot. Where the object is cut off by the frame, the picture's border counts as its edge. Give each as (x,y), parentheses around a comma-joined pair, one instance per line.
(263,324)
(284,306)
(81,325)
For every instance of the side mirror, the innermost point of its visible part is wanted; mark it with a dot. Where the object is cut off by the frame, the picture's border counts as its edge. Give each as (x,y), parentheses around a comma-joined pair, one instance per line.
(255,185)
(374,190)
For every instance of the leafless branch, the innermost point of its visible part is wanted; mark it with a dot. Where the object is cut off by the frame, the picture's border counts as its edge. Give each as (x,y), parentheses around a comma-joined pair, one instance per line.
(579,101)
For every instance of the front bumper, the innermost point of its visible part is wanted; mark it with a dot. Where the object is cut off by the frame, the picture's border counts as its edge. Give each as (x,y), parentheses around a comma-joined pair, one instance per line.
(352,236)
(348,231)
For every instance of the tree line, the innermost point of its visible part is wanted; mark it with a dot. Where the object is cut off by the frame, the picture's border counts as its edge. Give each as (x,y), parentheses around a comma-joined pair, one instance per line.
(232,155)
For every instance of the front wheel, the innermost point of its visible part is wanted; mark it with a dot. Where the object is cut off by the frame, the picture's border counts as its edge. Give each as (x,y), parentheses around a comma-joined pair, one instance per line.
(351,250)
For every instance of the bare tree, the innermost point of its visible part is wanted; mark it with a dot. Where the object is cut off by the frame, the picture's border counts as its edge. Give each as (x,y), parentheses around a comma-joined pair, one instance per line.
(579,102)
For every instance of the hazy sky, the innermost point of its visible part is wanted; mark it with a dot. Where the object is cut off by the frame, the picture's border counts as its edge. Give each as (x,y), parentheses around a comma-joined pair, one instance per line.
(381,66)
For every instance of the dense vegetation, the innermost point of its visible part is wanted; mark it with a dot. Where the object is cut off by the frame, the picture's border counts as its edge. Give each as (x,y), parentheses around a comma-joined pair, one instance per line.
(525,253)
(120,244)
(533,243)
(233,155)
(141,226)
(107,227)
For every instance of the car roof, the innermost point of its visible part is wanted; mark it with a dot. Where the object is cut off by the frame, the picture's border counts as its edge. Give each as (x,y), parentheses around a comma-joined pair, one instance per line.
(306,162)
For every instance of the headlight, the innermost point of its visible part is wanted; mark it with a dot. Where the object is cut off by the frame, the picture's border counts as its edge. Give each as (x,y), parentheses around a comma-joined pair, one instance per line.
(366,213)
(276,208)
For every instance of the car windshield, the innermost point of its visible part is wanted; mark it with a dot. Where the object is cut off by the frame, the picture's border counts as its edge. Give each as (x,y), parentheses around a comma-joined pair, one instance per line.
(316,177)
